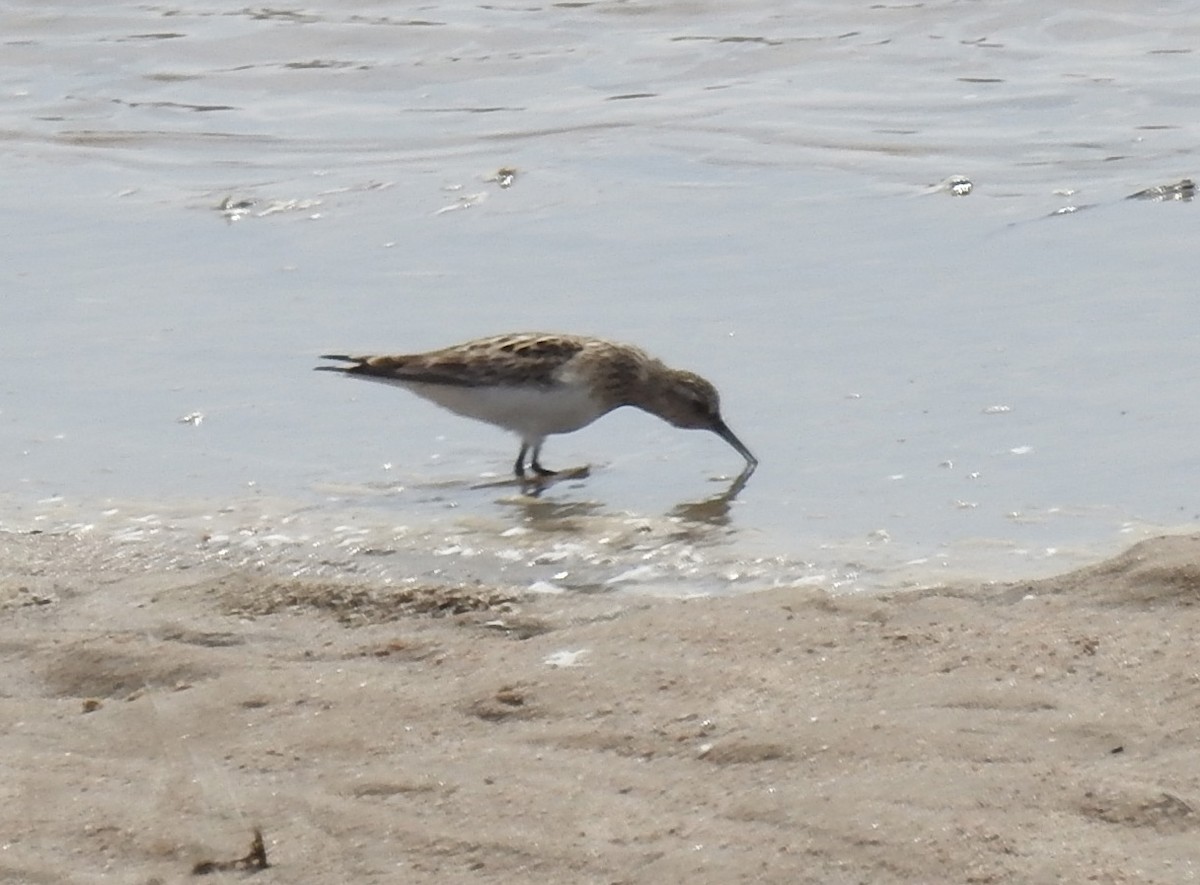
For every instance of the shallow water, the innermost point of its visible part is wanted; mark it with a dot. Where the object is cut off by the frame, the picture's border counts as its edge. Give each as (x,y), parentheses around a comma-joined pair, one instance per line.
(201,199)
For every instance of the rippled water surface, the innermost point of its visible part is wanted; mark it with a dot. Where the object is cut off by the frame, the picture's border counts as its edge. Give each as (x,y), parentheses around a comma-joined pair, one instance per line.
(198,199)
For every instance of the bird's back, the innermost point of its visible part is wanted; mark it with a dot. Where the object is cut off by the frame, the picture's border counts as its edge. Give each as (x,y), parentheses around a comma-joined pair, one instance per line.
(534,384)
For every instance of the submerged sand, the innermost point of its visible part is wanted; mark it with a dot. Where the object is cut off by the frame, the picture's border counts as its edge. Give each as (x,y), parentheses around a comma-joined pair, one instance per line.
(1038,732)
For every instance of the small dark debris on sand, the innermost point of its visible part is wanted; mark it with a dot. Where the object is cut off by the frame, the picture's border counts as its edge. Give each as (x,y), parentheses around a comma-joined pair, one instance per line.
(253,862)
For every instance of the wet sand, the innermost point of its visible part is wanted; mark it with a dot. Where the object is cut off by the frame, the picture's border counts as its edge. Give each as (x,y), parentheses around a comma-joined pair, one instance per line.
(1034,732)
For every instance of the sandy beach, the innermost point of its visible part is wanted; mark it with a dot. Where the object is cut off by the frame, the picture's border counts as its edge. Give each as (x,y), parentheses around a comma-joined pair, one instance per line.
(1037,732)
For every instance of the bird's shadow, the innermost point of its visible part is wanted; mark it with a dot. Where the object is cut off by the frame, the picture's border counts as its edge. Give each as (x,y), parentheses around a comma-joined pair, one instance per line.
(534,486)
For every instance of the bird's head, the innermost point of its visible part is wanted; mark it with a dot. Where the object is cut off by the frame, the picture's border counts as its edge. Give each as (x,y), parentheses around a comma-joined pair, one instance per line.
(684,399)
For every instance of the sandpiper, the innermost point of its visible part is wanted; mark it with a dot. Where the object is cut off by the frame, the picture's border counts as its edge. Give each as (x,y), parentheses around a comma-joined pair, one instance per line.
(536,384)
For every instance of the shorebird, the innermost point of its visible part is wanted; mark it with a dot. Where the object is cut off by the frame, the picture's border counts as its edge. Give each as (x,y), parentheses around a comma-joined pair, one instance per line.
(538,384)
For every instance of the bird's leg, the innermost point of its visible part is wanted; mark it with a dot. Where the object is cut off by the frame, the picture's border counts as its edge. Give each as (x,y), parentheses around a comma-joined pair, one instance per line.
(541,475)
(535,463)
(540,472)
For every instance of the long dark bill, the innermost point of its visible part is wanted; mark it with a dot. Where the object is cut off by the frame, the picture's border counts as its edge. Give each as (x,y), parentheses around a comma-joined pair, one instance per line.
(723,431)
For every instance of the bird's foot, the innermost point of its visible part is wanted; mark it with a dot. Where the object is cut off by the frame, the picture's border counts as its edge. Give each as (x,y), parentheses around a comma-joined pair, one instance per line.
(542,477)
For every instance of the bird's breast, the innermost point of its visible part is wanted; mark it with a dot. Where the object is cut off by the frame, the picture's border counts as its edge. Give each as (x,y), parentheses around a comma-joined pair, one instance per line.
(531,411)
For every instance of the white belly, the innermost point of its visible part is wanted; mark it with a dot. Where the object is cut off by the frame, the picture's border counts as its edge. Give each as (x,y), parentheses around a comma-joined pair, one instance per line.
(530,412)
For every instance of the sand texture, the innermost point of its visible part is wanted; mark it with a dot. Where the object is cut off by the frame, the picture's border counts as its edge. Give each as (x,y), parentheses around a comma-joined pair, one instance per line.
(1041,732)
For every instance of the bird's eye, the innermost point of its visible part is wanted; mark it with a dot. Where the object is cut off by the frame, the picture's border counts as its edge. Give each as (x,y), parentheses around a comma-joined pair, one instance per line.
(700,407)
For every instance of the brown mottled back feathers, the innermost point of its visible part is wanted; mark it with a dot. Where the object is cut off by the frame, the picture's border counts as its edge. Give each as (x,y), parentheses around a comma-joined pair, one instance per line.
(480,363)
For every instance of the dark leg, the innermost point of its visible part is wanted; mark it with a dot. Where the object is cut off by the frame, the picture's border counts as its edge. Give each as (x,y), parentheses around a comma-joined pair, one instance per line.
(519,467)
(535,463)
